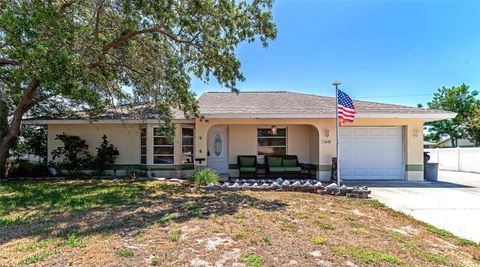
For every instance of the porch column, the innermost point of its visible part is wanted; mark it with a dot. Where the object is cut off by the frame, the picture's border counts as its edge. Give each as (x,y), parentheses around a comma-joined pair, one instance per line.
(326,148)
(201,131)
(413,140)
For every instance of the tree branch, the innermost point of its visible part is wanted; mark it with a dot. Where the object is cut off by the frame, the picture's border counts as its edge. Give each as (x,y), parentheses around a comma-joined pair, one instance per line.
(7,61)
(112,44)
(65,5)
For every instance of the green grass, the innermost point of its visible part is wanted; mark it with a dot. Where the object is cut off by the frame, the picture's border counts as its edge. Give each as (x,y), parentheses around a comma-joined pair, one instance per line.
(73,241)
(367,256)
(467,242)
(433,258)
(327,225)
(165,219)
(65,196)
(125,252)
(267,240)
(252,260)
(38,257)
(439,231)
(373,203)
(37,245)
(193,210)
(174,235)
(240,234)
(318,240)
(154,261)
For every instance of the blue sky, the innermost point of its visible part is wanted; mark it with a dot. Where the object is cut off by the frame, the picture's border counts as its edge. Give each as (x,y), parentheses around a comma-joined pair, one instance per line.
(401,49)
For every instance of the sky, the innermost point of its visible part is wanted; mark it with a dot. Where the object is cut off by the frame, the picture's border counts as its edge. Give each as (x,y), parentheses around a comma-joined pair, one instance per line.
(384,51)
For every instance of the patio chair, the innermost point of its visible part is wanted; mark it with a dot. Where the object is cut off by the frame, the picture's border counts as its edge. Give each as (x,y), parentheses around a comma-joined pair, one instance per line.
(247,166)
(283,166)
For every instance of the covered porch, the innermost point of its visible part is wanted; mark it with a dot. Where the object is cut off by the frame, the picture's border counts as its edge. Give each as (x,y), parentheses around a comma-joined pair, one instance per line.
(219,143)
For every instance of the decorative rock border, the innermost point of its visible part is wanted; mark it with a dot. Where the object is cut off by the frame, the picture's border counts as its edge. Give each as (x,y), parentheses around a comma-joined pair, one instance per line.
(311,186)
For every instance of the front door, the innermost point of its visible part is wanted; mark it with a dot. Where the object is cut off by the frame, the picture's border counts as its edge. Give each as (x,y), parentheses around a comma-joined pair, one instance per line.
(217,149)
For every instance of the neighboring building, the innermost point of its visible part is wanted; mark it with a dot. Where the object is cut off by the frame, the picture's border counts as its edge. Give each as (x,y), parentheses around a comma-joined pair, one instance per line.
(427,144)
(460,143)
(384,142)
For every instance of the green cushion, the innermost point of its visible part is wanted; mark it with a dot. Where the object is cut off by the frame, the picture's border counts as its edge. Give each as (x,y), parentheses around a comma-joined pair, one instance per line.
(247,169)
(293,169)
(247,162)
(289,163)
(277,169)
(274,161)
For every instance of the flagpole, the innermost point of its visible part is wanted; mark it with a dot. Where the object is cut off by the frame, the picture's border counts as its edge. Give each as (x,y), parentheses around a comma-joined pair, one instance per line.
(336,83)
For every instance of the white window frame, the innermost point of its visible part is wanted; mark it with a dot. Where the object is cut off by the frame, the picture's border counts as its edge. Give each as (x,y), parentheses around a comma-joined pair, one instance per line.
(286,139)
(153,148)
(192,145)
(142,146)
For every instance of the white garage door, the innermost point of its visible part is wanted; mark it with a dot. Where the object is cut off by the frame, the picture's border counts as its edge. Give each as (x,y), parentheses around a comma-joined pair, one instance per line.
(371,153)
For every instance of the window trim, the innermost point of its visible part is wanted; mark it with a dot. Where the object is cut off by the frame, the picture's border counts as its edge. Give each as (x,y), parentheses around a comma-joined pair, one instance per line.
(142,146)
(153,148)
(286,140)
(192,145)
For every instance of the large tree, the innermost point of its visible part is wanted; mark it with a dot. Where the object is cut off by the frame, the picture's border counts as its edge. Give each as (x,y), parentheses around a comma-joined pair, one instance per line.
(58,55)
(458,99)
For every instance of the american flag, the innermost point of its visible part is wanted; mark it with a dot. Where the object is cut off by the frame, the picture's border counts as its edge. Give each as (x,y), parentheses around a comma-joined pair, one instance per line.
(346,109)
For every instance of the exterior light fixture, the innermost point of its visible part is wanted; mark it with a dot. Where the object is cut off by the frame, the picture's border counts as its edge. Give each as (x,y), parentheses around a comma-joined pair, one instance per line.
(273,130)
(326,133)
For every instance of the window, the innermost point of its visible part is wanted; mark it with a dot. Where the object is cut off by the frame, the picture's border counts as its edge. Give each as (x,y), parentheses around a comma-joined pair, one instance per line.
(187,145)
(269,144)
(162,148)
(143,146)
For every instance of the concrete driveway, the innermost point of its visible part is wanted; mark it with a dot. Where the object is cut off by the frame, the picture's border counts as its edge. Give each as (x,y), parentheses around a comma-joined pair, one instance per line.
(452,203)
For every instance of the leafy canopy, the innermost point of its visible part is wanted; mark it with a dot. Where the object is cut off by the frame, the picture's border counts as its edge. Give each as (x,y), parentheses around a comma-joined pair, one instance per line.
(87,53)
(58,56)
(459,99)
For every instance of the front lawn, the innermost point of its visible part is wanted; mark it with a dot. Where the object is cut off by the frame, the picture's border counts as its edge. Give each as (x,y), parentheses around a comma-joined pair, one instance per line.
(154,223)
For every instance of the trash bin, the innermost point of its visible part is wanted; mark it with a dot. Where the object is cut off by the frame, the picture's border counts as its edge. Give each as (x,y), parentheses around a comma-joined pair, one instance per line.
(430,172)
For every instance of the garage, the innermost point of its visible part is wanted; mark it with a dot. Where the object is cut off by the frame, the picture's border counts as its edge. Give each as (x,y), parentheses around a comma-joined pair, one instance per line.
(371,153)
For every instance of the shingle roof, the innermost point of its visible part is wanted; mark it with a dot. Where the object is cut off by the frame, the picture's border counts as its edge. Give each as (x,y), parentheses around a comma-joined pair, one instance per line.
(289,103)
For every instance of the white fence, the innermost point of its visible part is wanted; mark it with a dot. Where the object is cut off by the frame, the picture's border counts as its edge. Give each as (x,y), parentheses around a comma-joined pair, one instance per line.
(464,159)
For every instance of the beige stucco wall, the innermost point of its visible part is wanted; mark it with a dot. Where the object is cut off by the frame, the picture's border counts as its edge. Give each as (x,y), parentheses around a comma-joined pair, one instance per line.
(126,137)
(243,139)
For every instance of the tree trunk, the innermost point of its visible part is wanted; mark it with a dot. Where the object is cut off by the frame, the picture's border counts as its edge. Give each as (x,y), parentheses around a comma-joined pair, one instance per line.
(452,139)
(9,137)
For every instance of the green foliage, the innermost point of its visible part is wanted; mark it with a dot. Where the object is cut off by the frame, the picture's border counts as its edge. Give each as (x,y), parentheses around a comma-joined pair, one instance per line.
(240,234)
(26,168)
(439,231)
(318,240)
(458,99)
(205,176)
(35,139)
(154,261)
(125,252)
(106,154)
(252,260)
(267,240)
(74,153)
(62,56)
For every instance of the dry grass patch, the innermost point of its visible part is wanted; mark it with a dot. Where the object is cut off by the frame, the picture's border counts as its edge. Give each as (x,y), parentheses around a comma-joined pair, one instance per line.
(142,223)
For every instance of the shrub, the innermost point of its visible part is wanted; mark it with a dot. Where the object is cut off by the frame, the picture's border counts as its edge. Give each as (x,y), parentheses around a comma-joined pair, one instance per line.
(74,153)
(106,154)
(204,177)
(26,168)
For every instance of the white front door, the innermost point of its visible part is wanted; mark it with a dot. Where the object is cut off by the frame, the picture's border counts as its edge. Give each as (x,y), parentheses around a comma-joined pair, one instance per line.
(371,153)
(217,149)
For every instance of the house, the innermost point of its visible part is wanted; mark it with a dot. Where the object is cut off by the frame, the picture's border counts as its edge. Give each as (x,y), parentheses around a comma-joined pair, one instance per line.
(460,143)
(384,142)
